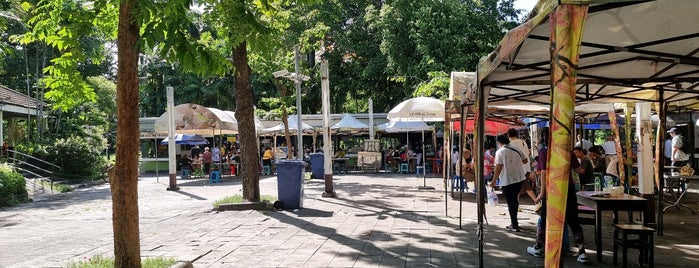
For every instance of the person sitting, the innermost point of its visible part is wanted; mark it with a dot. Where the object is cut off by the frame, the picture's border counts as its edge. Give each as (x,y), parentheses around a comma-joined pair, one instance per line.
(339,153)
(197,166)
(185,166)
(267,157)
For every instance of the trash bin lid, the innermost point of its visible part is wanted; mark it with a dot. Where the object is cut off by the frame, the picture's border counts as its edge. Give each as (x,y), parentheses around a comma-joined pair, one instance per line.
(290,163)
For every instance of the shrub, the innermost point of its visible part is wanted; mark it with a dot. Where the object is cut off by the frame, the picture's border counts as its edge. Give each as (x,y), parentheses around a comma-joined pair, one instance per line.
(13,189)
(76,157)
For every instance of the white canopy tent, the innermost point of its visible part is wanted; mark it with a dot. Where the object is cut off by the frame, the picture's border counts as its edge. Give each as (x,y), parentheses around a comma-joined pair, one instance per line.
(293,126)
(349,124)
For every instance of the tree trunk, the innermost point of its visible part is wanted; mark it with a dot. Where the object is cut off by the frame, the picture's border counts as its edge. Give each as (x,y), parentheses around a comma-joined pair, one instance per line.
(124,180)
(246,124)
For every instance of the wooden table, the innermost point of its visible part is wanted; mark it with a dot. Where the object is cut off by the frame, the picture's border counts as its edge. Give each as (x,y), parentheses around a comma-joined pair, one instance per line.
(623,202)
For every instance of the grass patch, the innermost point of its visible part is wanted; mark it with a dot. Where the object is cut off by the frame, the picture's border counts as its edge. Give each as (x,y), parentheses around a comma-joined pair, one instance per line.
(237,199)
(61,188)
(102,262)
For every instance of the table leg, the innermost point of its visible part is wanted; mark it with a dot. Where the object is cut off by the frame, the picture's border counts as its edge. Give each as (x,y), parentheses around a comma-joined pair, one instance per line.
(598,233)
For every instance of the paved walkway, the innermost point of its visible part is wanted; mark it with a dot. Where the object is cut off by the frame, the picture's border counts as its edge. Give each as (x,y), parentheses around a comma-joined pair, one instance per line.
(377,220)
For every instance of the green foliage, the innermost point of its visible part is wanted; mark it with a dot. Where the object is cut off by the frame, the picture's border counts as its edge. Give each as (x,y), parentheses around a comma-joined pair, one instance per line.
(13,189)
(78,157)
(72,28)
(102,262)
(437,86)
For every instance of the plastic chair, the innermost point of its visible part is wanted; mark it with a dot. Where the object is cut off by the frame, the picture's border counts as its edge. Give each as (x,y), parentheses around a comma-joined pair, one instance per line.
(215,176)
(404,168)
(266,170)
(419,169)
(458,183)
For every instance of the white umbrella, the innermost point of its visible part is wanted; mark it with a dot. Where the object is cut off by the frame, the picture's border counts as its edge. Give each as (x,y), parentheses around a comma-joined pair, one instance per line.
(422,109)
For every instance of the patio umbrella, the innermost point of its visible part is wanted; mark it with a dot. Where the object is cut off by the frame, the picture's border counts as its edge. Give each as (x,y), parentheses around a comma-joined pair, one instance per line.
(187,139)
(421,109)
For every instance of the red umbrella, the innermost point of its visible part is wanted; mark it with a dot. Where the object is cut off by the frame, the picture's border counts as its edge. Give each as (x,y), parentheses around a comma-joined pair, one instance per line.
(492,128)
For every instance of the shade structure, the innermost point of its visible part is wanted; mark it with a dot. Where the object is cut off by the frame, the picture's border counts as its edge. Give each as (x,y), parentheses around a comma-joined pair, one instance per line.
(419,109)
(187,139)
(293,126)
(196,119)
(492,128)
(403,126)
(258,123)
(349,124)
(424,109)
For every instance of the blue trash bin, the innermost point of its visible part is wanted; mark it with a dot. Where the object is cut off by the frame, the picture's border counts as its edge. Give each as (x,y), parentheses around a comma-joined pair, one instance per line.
(290,183)
(317,165)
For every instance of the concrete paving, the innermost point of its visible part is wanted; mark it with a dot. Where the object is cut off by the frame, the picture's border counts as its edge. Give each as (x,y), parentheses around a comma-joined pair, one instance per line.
(376,220)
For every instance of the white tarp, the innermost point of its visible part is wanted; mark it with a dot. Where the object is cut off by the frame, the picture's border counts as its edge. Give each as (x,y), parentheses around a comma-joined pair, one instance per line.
(349,124)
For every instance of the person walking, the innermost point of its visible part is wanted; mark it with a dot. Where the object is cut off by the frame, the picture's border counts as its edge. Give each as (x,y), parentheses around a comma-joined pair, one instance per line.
(521,145)
(679,158)
(571,215)
(509,172)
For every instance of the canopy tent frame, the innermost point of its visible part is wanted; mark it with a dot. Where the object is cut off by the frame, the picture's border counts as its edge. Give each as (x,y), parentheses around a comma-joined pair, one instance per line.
(631,51)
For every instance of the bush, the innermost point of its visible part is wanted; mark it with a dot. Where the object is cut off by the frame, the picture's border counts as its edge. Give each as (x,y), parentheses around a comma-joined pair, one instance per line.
(76,157)
(13,189)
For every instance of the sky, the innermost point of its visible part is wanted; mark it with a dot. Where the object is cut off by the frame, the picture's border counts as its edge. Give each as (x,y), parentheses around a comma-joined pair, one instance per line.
(525,4)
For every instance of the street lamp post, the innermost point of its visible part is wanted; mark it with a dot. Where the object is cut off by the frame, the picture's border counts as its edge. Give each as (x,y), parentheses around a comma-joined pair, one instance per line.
(297,77)
(297,82)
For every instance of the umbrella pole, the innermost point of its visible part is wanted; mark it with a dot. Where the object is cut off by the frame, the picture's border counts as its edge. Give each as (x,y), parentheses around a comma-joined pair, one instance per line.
(424,171)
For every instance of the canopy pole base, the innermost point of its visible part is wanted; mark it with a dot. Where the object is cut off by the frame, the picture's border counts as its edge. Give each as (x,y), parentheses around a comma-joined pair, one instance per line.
(173,183)
(425,188)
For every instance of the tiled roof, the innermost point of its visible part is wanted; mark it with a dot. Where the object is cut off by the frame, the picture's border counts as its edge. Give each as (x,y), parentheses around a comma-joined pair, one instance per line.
(9,96)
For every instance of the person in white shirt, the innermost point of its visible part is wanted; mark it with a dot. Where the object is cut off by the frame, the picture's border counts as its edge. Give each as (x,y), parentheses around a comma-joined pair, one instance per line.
(609,148)
(521,145)
(509,173)
(678,158)
(585,144)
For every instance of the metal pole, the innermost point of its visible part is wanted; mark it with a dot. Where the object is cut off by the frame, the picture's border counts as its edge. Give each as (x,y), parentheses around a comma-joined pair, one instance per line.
(327,150)
(297,82)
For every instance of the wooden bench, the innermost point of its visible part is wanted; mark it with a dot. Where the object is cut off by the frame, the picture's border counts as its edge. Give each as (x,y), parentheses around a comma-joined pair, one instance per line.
(644,243)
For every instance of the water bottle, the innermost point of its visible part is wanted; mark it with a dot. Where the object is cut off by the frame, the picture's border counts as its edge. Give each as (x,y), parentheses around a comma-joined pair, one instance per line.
(598,185)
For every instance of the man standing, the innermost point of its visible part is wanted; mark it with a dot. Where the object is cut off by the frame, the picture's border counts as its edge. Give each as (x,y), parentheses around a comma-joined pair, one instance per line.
(509,172)
(586,172)
(206,158)
(678,158)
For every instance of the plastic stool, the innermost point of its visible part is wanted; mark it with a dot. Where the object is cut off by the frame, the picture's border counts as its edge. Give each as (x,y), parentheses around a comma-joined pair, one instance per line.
(404,168)
(215,176)
(419,169)
(185,173)
(266,170)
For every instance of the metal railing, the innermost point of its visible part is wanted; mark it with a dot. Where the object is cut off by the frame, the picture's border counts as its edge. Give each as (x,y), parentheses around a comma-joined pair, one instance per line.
(19,161)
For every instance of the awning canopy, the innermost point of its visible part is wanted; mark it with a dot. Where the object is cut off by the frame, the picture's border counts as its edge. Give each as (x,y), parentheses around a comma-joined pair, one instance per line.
(630,51)
(293,126)
(196,119)
(349,124)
